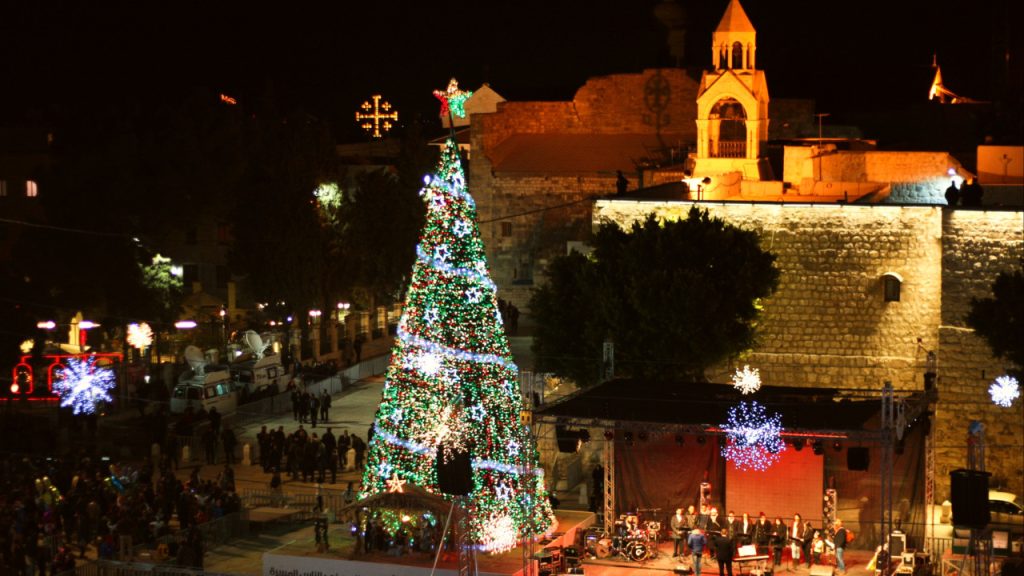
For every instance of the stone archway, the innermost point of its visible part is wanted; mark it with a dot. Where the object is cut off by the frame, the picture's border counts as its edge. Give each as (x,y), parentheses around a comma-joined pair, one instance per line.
(728,137)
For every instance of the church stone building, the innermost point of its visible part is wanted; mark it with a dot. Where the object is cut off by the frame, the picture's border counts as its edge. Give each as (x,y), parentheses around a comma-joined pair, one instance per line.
(876,271)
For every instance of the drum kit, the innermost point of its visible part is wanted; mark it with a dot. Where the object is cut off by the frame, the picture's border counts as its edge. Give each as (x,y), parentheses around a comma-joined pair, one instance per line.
(630,539)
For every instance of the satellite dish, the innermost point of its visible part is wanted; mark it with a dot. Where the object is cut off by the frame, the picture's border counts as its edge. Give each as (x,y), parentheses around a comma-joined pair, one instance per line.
(255,343)
(196,359)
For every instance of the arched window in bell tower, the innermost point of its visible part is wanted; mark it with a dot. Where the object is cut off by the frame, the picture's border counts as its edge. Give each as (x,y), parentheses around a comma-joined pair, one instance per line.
(723,57)
(737,55)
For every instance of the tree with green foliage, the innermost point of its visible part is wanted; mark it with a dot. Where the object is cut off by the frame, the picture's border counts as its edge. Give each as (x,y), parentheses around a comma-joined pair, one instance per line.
(675,297)
(1000,319)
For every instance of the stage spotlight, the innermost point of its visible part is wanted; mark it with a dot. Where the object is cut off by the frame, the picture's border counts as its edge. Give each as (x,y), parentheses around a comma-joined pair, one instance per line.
(837,446)
(642,435)
(818,447)
(679,440)
(798,444)
(608,435)
(702,439)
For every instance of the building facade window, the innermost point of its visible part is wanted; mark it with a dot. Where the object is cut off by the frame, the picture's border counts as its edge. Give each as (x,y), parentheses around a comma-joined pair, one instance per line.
(3,188)
(223,277)
(506,229)
(891,284)
(31,189)
(223,233)
(190,275)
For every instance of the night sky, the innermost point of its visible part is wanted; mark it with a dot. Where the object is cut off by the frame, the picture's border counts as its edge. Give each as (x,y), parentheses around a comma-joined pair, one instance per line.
(328,56)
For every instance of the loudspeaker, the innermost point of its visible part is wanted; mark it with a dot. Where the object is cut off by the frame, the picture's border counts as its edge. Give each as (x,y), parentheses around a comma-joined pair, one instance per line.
(969,495)
(454,475)
(857,458)
(897,543)
(821,570)
(568,440)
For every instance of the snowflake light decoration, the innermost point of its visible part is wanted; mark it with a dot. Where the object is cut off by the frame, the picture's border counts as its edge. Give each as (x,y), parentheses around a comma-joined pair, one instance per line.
(83,385)
(449,430)
(140,336)
(428,363)
(499,534)
(1004,391)
(385,470)
(747,380)
(754,437)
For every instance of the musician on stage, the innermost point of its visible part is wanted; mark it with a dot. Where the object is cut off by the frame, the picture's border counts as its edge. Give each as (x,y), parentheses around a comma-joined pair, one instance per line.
(743,534)
(779,539)
(725,549)
(763,534)
(713,527)
(796,541)
(808,538)
(680,532)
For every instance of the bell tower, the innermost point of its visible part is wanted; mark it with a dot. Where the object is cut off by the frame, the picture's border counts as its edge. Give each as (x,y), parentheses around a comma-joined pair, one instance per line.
(732,102)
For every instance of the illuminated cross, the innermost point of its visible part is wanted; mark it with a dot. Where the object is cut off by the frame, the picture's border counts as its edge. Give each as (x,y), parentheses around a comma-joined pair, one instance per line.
(377,120)
(453,100)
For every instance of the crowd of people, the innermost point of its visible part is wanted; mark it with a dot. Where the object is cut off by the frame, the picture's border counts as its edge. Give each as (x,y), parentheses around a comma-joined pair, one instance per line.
(698,535)
(313,457)
(53,510)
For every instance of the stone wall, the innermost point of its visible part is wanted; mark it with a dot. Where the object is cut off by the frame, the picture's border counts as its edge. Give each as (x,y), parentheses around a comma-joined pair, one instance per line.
(527,219)
(976,246)
(828,324)
(915,177)
(546,211)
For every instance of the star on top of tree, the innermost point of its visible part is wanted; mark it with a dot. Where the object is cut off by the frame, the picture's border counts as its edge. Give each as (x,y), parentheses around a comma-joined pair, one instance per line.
(453,100)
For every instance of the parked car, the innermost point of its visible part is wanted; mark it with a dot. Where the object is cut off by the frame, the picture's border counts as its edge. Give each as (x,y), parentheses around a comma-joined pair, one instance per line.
(1007,513)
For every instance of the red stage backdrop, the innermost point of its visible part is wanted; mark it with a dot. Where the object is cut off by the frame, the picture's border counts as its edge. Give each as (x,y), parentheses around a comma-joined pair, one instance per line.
(794,484)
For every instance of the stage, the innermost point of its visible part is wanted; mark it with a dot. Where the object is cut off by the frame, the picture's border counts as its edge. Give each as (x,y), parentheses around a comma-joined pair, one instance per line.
(663,564)
(300,559)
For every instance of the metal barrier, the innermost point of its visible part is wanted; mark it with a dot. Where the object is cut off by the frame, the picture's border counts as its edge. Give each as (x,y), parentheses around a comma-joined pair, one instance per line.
(332,500)
(215,533)
(937,547)
(115,568)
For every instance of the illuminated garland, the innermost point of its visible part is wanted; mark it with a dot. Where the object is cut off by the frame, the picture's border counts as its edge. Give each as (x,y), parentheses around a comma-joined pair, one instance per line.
(754,438)
(432,347)
(83,384)
(452,382)
(1004,391)
(468,273)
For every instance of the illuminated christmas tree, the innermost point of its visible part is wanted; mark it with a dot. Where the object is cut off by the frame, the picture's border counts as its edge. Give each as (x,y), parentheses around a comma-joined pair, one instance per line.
(452,382)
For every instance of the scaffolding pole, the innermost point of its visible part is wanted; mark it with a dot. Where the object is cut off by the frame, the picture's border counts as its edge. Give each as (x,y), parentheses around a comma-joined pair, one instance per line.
(609,485)
(886,470)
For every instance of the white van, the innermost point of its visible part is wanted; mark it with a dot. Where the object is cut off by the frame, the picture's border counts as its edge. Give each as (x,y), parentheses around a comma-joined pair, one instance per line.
(205,391)
(263,375)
